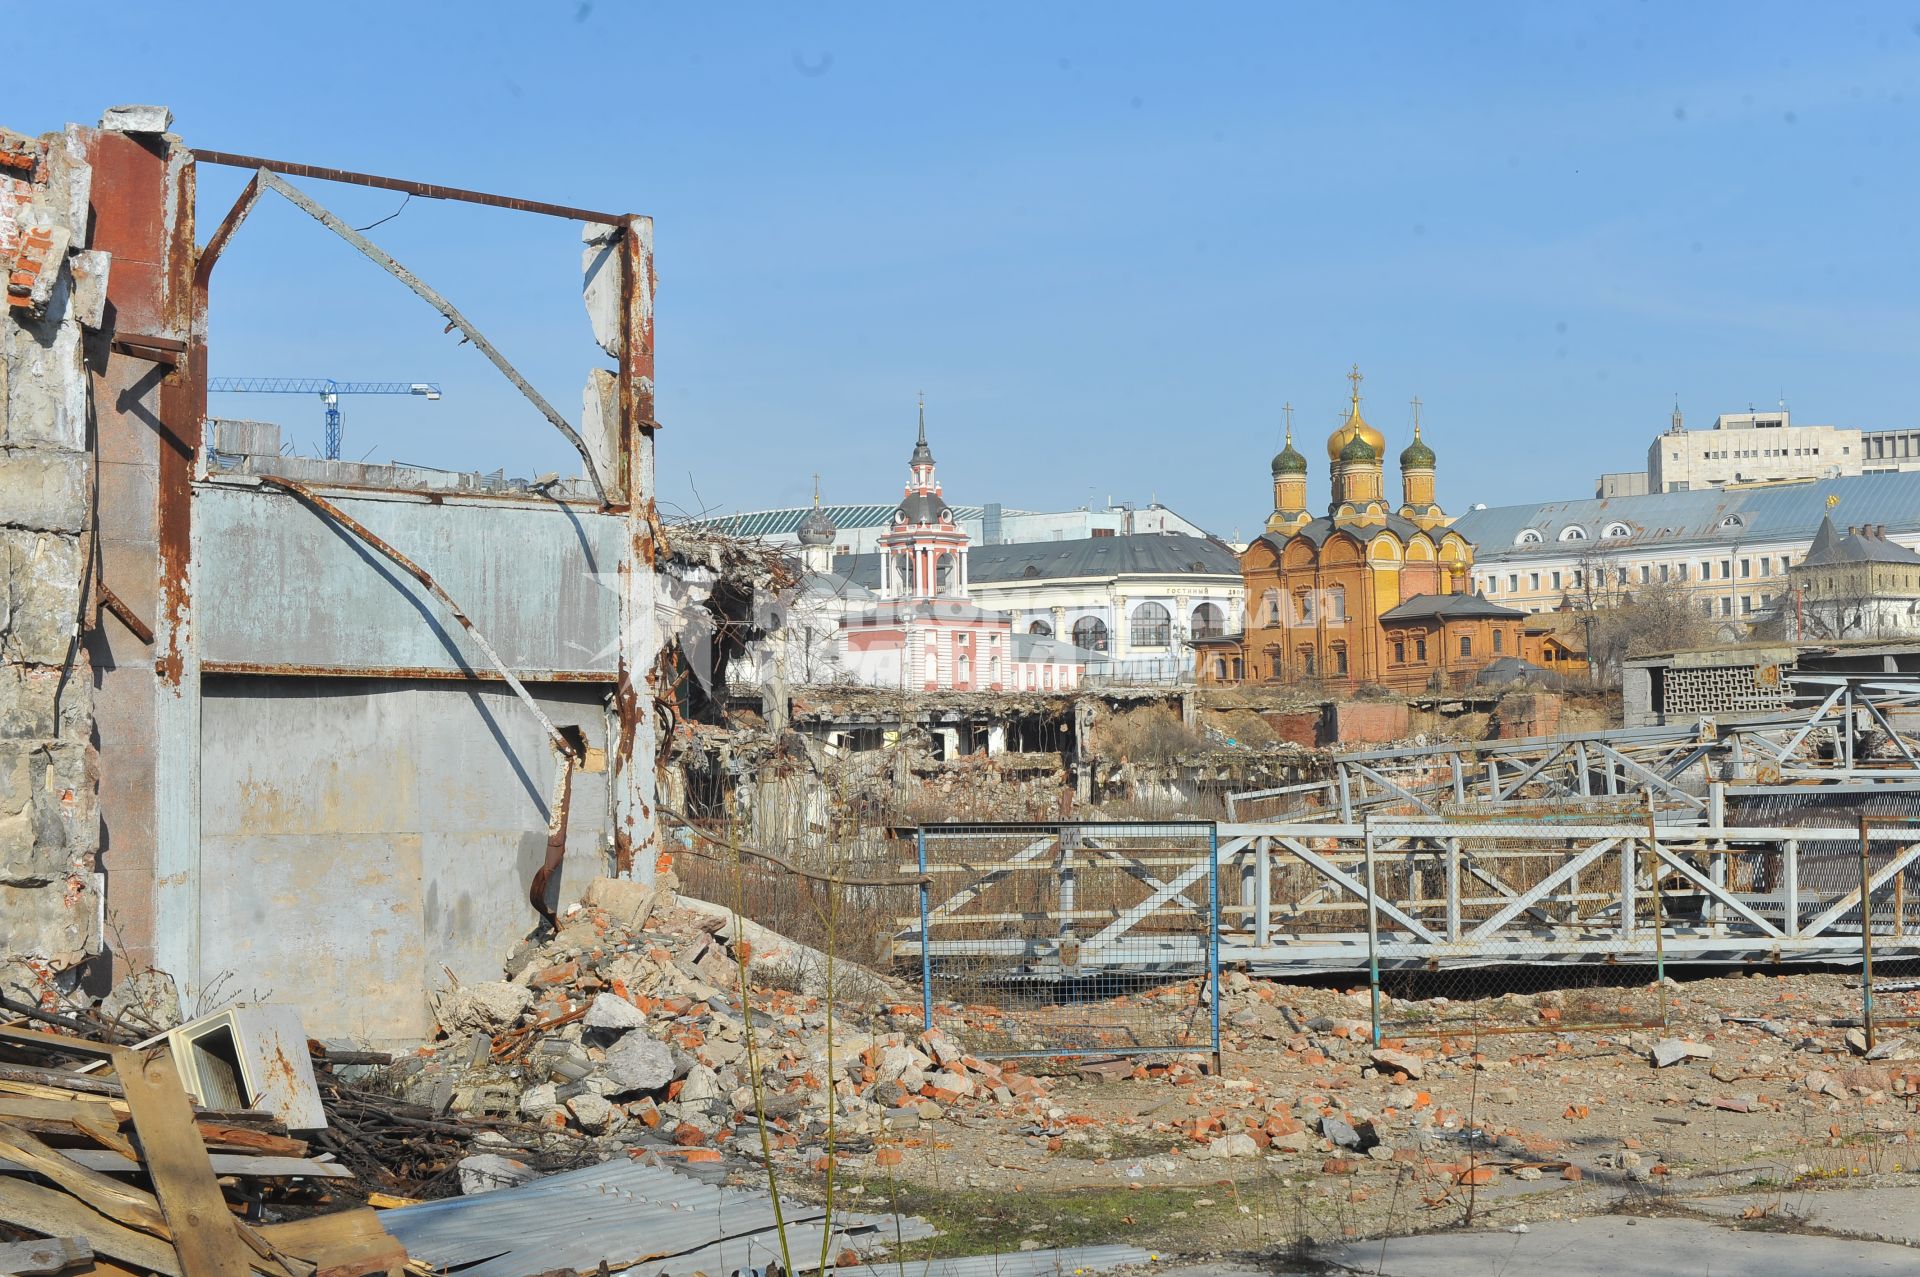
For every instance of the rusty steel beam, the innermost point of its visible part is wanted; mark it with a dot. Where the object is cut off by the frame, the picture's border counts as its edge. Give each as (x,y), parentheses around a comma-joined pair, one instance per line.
(115,604)
(164,351)
(217,242)
(425,190)
(282,669)
(454,318)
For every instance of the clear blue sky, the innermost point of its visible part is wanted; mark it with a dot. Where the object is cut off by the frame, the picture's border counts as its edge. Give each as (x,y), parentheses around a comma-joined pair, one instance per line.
(1109,241)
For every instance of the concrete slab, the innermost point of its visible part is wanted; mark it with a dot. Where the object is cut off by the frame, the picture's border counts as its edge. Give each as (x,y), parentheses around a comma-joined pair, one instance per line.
(1618,1246)
(1884,1214)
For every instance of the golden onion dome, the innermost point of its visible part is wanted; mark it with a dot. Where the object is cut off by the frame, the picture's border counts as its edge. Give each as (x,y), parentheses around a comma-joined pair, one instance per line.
(1355,426)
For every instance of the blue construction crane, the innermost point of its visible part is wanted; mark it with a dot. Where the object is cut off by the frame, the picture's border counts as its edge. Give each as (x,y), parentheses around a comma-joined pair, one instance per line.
(329,391)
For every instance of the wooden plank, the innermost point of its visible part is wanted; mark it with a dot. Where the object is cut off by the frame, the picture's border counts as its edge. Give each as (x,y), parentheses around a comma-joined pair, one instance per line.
(206,1236)
(240,1139)
(131,1206)
(257,1165)
(348,1243)
(58,1042)
(56,1214)
(53,1082)
(44,1257)
(55,1110)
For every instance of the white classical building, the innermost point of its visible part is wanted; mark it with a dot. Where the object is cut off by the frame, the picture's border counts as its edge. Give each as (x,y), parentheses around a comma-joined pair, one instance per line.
(1729,549)
(906,618)
(1130,604)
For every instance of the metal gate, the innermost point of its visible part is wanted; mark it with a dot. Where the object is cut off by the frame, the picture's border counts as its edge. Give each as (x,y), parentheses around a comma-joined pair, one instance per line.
(1069,939)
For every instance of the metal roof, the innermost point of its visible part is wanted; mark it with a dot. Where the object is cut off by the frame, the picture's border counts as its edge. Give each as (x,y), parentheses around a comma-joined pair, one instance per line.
(1318,529)
(786,521)
(1448,607)
(1135,554)
(1686,520)
(1830,548)
(624,1212)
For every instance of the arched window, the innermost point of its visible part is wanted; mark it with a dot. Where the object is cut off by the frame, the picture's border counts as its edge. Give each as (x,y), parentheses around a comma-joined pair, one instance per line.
(1042,628)
(1209,621)
(1152,626)
(1219,669)
(1573,532)
(1733,523)
(1617,532)
(1090,632)
(1528,536)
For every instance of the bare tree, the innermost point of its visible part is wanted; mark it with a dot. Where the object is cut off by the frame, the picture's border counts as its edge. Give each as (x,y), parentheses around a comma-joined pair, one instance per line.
(1658,617)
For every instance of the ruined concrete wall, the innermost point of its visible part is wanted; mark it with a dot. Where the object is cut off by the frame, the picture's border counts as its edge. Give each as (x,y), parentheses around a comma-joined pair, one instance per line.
(361,837)
(49,827)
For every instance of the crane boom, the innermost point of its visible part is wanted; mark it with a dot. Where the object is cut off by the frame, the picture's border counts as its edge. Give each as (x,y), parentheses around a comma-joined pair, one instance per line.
(329,391)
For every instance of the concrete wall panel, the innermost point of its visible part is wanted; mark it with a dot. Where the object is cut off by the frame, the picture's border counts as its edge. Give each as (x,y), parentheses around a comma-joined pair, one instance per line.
(359,833)
(280,586)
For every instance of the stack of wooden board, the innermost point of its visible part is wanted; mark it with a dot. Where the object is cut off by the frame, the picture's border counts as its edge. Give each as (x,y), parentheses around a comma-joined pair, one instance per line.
(115,1171)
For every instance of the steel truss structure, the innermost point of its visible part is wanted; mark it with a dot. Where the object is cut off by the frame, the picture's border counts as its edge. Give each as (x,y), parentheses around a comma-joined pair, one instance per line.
(1841,739)
(1606,847)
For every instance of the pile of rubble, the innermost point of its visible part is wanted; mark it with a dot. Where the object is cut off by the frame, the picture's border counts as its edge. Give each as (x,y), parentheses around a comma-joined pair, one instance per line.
(627,1028)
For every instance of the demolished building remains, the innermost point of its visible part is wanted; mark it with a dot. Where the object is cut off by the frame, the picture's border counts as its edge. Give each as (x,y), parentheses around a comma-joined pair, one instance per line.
(237,683)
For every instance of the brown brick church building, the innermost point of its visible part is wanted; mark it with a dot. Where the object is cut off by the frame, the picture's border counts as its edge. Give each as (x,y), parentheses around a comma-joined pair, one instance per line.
(1364,593)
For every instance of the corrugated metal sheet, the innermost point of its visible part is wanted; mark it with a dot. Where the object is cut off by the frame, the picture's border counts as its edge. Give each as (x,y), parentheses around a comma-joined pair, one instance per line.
(1667,521)
(626,1213)
(1058,1262)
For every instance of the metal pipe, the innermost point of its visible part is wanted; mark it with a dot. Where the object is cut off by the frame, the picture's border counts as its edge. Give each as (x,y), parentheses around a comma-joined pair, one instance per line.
(1373,933)
(1866,933)
(926,946)
(1659,913)
(1213,936)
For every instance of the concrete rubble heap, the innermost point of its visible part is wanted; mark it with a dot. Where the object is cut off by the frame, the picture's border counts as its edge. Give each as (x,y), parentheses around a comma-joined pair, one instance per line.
(627,1028)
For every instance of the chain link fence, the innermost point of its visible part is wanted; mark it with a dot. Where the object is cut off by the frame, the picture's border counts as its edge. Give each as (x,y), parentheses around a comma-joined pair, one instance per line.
(1543,934)
(1071,940)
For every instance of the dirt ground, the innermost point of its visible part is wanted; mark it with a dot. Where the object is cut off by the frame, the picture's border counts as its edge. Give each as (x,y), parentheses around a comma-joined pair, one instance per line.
(1474,1125)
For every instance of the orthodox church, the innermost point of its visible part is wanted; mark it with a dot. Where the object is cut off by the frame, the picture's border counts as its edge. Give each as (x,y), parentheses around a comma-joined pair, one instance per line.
(919,628)
(1365,593)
